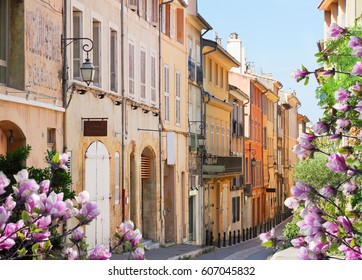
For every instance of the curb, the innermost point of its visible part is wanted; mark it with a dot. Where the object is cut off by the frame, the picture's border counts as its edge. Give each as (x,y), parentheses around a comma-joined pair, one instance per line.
(193,254)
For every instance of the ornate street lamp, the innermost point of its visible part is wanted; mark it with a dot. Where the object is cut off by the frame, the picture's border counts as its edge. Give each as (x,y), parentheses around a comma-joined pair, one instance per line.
(87,69)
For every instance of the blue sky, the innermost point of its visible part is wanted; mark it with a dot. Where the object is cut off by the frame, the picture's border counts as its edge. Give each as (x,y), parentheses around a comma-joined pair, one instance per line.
(279,36)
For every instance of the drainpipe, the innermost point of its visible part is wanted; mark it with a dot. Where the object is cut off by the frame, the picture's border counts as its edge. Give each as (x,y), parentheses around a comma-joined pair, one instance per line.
(65,74)
(160,126)
(203,119)
(277,156)
(262,150)
(244,155)
(123,115)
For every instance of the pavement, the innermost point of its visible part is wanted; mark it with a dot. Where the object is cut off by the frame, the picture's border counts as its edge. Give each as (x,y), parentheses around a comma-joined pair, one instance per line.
(250,249)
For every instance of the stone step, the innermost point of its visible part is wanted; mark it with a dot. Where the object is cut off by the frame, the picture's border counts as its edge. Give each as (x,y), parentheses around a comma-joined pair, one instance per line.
(149,244)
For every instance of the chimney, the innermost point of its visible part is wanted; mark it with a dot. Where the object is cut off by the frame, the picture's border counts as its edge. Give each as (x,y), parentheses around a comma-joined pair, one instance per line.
(235,48)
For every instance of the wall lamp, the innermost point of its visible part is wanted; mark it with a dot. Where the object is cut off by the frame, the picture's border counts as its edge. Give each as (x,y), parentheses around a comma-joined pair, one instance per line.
(81,91)
(11,137)
(145,111)
(156,114)
(87,69)
(101,95)
(117,102)
(134,106)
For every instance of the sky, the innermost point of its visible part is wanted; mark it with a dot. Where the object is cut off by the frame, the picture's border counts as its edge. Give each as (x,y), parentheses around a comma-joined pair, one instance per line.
(279,36)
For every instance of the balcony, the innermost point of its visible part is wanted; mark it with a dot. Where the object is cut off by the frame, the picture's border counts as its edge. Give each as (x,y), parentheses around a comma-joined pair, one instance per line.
(216,165)
(199,77)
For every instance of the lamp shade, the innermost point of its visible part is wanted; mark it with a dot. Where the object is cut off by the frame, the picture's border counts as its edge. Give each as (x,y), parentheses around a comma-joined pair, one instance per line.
(87,70)
(201,141)
(253,162)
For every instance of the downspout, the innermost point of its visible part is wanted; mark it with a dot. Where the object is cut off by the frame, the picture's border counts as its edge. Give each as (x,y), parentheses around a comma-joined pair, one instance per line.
(203,239)
(160,126)
(277,128)
(123,115)
(262,150)
(65,74)
(244,155)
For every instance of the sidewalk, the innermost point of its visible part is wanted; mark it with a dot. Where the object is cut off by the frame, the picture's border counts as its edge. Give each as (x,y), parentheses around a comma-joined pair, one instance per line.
(188,251)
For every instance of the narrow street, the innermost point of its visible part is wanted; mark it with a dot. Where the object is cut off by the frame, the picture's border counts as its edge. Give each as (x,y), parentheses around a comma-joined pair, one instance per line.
(249,250)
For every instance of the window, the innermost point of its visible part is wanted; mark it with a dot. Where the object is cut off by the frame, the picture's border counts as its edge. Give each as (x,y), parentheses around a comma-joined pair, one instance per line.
(116,179)
(143,9)
(222,77)
(217,145)
(143,73)
(223,141)
(212,127)
(154,12)
(216,74)
(131,68)
(178,97)
(236,209)
(51,138)
(180,25)
(77,45)
(114,61)
(133,4)
(153,78)
(3,40)
(166,69)
(97,52)
(210,70)
(172,23)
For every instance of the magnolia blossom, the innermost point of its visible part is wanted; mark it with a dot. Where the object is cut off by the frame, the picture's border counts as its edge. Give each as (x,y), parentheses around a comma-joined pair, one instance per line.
(267,235)
(302,152)
(300,191)
(337,163)
(6,243)
(27,187)
(357,51)
(88,212)
(335,31)
(71,254)
(55,205)
(349,188)
(320,128)
(351,254)
(345,223)
(44,186)
(298,242)
(342,95)
(43,222)
(305,254)
(78,234)
(331,228)
(21,175)
(9,203)
(341,125)
(4,182)
(41,236)
(4,215)
(291,203)
(357,69)
(355,89)
(137,236)
(100,253)
(82,197)
(138,253)
(300,74)
(327,191)
(125,230)
(354,41)
(341,107)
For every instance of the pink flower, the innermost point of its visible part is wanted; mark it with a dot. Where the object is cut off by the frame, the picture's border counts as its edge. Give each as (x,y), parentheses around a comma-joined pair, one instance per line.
(78,234)
(82,198)
(341,125)
(357,51)
(4,182)
(302,152)
(291,203)
(41,236)
(327,191)
(311,225)
(355,89)
(345,223)
(137,236)
(298,242)
(349,188)
(4,215)
(6,243)
(44,186)
(55,205)
(267,235)
(331,228)
(305,254)
(337,163)
(138,253)
(320,128)
(300,74)
(125,230)
(300,191)
(350,254)
(27,187)
(9,203)
(342,95)
(100,253)
(71,254)
(341,107)
(357,69)
(88,212)
(354,41)
(21,175)
(43,222)
(335,31)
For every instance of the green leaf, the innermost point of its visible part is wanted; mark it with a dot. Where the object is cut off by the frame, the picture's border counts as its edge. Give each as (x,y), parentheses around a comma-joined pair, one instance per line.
(352,243)
(324,238)
(47,245)
(333,247)
(22,252)
(56,158)
(35,248)
(343,151)
(36,210)
(25,216)
(20,235)
(116,235)
(306,80)
(268,244)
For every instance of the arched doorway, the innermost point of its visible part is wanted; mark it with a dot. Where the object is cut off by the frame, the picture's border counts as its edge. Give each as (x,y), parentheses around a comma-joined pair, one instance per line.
(97,184)
(11,137)
(149,200)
